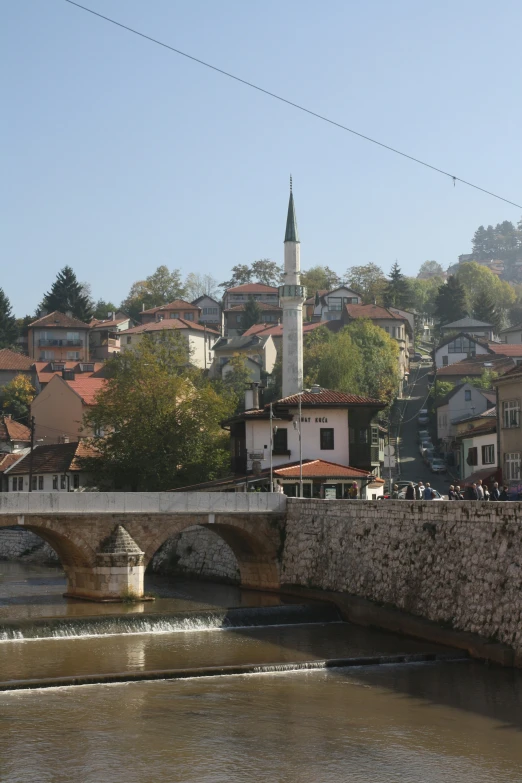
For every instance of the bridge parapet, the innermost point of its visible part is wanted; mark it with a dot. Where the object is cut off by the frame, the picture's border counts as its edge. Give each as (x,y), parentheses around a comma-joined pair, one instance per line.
(17,503)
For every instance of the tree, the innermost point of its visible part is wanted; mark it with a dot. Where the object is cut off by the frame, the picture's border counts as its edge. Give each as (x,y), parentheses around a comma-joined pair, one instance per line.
(201,285)
(68,295)
(320,278)
(450,302)
(160,288)
(423,293)
(161,419)
(262,271)
(8,325)
(397,292)
(252,314)
(241,274)
(430,269)
(236,380)
(484,309)
(369,281)
(102,309)
(439,390)
(478,279)
(16,397)
(484,381)
(379,358)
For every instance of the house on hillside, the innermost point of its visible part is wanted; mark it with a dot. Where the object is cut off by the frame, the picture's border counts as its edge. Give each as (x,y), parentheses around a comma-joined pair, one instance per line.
(461,402)
(469,326)
(210,311)
(59,408)
(512,335)
(199,338)
(46,370)
(509,404)
(457,347)
(276,331)
(179,309)
(240,294)
(14,436)
(328,305)
(259,354)
(13,364)
(104,336)
(233,317)
(474,367)
(58,336)
(55,468)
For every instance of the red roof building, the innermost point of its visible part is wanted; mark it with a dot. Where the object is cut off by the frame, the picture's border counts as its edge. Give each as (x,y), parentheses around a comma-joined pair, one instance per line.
(55,468)
(176,309)
(60,408)
(60,337)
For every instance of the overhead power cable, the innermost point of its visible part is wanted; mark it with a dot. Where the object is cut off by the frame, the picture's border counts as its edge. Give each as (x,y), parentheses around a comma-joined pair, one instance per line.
(453,177)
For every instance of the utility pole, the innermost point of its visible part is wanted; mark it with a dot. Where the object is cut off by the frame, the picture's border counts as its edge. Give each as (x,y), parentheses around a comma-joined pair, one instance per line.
(31,456)
(271,445)
(300,449)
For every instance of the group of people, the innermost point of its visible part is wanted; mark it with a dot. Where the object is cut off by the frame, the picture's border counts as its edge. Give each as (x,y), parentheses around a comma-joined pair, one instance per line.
(479,491)
(419,492)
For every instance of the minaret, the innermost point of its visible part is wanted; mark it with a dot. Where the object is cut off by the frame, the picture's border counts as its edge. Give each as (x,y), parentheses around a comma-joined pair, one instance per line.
(292,296)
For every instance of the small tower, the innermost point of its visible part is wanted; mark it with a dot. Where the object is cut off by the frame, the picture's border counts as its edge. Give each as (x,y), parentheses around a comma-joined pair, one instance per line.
(292,296)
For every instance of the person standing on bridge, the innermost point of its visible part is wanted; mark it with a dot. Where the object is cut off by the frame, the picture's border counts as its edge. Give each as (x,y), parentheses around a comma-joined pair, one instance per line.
(410,491)
(419,491)
(428,492)
(480,490)
(495,492)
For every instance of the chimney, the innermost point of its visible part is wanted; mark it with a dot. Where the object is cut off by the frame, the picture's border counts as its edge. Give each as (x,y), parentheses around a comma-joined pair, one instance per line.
(255,396)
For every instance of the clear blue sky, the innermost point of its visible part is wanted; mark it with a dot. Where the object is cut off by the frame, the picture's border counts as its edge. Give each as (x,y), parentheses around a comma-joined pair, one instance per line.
(120,156)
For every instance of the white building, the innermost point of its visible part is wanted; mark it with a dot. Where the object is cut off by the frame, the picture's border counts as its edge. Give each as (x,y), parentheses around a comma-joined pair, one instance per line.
(457,347)
(55,468)
(258,353)
(200,339)
(328,306)
(512,335)
(460,403)
(469,326)
(210,311)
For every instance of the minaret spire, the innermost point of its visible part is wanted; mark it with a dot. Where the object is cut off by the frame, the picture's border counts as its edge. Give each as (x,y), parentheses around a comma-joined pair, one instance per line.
(292,295)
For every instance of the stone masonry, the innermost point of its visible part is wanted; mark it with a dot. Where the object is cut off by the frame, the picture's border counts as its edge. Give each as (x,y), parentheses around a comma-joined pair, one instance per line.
(197,552)
(16,543)
(457,563)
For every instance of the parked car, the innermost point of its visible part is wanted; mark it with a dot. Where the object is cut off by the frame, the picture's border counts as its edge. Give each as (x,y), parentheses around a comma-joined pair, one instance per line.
(423,435)
(428,456)
(438,465)
(417,357)
(426,444)
(423,417)
(426,359)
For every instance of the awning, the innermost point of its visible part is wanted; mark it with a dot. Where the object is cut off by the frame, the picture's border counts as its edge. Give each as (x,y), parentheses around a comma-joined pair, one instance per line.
(487,475)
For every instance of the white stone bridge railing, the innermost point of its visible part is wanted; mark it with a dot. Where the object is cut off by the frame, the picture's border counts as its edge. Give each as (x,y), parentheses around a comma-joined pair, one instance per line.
(19,503)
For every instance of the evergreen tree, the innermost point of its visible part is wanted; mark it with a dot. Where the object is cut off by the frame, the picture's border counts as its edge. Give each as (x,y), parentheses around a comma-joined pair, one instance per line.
(397,292)
(8,326)
(484,309)
(102,309)
(252,314)
(450,303)
(67,295)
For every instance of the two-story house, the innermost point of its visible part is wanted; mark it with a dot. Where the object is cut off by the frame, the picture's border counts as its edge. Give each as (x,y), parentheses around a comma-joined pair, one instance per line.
(210,311)
(104,337)
(179,309)
(509,404)
(58,336)
(60,407)
(328,305)
(240,294)
(54,468)
(476,448)
(233,317)
(199,338)
(258,353)
(456,347)
(461,402)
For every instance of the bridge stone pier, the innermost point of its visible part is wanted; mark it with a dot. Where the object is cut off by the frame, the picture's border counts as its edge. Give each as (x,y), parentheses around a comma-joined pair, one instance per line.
(106,540)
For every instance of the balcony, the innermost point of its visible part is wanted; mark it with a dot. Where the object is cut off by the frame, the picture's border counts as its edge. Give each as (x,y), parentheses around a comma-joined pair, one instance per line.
(59,343)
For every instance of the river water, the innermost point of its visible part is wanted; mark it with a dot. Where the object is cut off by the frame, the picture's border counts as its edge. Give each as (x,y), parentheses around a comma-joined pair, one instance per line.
(435,722)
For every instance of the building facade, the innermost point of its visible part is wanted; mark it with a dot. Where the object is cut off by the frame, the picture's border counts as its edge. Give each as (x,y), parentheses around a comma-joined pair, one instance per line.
(58,336)
(199,339)
(509,403)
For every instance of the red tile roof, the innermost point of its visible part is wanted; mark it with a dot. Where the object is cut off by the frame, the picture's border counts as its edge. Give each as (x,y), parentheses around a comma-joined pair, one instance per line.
(505,349)
(252,288)
(6,460)
(371,311)
(53,458)
(318,468)
(261,305)
(13,430)
(276,330)
(44,371)
(60,320)
(327,397)
(87,388)
(108,324)
(168,323)
(476,365)
(177,304)
(10,360)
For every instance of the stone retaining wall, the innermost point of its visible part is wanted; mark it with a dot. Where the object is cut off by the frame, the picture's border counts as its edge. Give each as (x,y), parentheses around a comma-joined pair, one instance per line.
(457,563)
(199,553)
(16,543)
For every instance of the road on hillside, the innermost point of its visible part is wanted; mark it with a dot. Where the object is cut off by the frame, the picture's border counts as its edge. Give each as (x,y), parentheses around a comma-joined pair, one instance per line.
(412,466)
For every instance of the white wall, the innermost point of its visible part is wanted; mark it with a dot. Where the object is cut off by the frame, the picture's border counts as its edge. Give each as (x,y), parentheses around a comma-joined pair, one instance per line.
(480,440)
(460,407)
(47,482)
(201,345)
(455,357)
(513,338)
(258,437)
(443,421)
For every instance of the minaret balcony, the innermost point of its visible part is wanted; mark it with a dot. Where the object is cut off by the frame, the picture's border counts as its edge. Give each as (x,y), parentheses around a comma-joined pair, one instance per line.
(292,292)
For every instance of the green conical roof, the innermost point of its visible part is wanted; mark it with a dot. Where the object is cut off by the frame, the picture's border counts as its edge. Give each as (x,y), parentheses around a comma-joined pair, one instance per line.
(291,234)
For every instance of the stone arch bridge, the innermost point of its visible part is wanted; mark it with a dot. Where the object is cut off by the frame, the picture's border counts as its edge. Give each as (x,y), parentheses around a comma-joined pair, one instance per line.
(106,540)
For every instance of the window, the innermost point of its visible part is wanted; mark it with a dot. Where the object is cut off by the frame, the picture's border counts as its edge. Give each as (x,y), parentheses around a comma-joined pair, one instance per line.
(280,444)
(40,482)
(510,414)
(375,436)
(55,482)
(351,434)
(76,481)
(488,455)
(63,484)
(73,356)
(467,395)
(462,345)
(46,356)
(73,337)
(210,311)
(472,456)
(363,436)
(512,466)
(20,483)
(33,483)
(327,438)
(129,340)
(15,483)
(188,316)
(445,360)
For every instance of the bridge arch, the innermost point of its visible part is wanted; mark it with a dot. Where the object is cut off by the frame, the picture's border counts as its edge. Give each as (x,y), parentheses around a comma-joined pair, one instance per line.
(71,550)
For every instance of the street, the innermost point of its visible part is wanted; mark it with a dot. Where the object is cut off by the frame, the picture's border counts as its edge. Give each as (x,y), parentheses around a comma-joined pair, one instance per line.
(412,466)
